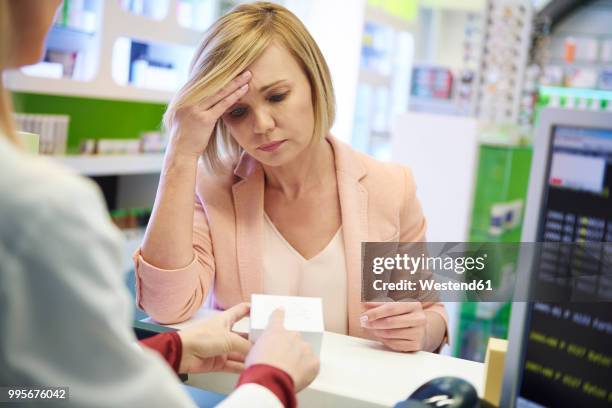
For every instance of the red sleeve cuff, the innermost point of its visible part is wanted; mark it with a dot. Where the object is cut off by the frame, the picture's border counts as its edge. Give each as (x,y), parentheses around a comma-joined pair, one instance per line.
(274,379)
(169,345)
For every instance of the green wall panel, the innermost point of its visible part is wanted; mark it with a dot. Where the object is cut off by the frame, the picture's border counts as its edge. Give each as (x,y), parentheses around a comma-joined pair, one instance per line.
(503,176)
(95,118)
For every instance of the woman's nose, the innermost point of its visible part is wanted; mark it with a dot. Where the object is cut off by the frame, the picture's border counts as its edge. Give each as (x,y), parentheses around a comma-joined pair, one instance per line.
(263,121)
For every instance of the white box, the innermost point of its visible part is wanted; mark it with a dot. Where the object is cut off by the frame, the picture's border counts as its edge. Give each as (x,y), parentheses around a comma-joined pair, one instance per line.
(302,314)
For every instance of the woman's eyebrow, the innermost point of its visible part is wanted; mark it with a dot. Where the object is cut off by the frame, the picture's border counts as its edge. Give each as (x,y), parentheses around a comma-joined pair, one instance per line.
(266,87)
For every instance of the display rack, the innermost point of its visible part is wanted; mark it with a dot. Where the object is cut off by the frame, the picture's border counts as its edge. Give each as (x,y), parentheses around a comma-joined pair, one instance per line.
(576,53)
(506,43)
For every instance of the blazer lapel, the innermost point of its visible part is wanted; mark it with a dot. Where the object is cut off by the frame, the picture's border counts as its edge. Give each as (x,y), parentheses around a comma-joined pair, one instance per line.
(354,210)
(248,201)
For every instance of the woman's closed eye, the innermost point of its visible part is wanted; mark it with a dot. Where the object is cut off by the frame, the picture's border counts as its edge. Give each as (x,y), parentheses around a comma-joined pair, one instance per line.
(278,97)
(237,112)
(274,98)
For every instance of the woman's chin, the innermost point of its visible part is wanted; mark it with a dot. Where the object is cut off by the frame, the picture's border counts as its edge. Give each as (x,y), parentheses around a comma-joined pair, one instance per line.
(279,157)
(273,160)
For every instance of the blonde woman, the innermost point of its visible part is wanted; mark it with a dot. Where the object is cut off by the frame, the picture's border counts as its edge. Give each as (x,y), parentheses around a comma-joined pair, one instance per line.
(65,313)
(277,205)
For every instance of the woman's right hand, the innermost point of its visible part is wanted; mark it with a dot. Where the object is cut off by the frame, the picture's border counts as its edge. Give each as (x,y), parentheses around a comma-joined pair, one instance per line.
(285,350)
(174,210)
(193,125)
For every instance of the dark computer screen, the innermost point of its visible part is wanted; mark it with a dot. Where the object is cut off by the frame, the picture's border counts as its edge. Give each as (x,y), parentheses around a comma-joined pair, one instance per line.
(567,359)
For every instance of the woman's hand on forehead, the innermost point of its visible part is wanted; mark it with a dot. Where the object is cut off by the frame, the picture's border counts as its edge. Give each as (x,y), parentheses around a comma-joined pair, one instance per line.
(193,125)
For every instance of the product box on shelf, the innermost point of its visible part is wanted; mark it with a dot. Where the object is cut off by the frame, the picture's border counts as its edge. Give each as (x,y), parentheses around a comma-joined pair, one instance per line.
(52,130)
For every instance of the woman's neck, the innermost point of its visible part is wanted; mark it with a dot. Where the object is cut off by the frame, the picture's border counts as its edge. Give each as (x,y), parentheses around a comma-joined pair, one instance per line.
(310,169)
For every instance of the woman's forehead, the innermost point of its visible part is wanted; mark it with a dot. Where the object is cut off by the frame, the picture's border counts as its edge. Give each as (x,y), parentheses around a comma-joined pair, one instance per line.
(274,64)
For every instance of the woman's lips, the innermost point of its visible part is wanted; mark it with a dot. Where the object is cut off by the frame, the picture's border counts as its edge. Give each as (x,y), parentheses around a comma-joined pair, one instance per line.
(270,147)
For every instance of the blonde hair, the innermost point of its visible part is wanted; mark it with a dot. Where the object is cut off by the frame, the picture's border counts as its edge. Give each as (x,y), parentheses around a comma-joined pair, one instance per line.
(6,107)
(229,46)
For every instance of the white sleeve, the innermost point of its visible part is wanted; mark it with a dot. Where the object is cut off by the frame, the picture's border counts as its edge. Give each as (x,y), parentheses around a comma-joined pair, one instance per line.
(251,395)
(65,314)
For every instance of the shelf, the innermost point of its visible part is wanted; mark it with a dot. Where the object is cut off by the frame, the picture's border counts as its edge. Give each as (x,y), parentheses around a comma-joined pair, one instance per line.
(69,39)
(99,63)
(97,88)
(61,30)
(576,92)
(113,165)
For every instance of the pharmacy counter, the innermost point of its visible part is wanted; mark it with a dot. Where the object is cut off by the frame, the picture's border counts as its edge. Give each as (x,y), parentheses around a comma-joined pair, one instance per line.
(357,372)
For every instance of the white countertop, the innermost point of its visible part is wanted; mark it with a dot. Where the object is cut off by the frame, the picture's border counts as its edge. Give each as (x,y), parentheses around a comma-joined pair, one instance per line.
(356,372)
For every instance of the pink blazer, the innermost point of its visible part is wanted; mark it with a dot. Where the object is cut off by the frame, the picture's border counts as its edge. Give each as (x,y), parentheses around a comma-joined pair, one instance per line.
(377,201)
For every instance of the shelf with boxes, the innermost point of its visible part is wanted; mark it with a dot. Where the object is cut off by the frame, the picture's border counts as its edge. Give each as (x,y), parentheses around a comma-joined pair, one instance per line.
(83,60)
(99,157)
(449,49)
(575,98)
(51,129)
(143,55)
(503,60)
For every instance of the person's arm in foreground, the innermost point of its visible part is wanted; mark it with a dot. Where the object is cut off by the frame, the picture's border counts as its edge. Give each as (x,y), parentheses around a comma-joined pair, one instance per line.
(276,360)
(67,313)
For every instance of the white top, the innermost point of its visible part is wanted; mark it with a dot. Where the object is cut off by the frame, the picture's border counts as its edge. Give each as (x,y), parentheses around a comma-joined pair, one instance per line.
(287,272)
(66,314)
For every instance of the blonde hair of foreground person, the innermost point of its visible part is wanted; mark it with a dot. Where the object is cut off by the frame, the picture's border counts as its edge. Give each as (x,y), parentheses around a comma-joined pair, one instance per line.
(6,107)
(229,46)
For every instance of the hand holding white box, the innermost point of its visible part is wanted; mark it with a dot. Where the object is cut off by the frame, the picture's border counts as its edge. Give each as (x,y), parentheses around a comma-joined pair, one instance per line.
(302,314)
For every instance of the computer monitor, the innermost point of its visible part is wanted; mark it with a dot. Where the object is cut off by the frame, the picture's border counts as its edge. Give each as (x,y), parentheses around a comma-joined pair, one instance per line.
(559,354)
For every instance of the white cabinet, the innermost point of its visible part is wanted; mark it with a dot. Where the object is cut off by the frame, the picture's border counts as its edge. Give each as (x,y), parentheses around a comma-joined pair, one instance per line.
(101,54)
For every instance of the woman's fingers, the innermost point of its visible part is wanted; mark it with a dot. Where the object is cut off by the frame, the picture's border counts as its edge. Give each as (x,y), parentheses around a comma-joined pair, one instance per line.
(224,104)
(234,85)
(410,333)
(386,309)
(397,322)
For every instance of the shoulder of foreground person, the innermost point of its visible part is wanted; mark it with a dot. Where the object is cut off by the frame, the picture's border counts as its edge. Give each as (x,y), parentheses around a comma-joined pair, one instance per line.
(36,187)
(62,259)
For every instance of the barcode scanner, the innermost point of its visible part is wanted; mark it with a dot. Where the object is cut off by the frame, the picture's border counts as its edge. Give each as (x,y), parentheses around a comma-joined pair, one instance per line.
(443,392)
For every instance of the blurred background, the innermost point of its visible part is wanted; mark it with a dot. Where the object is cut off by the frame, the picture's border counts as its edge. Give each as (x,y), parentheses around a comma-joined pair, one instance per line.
(451,88)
